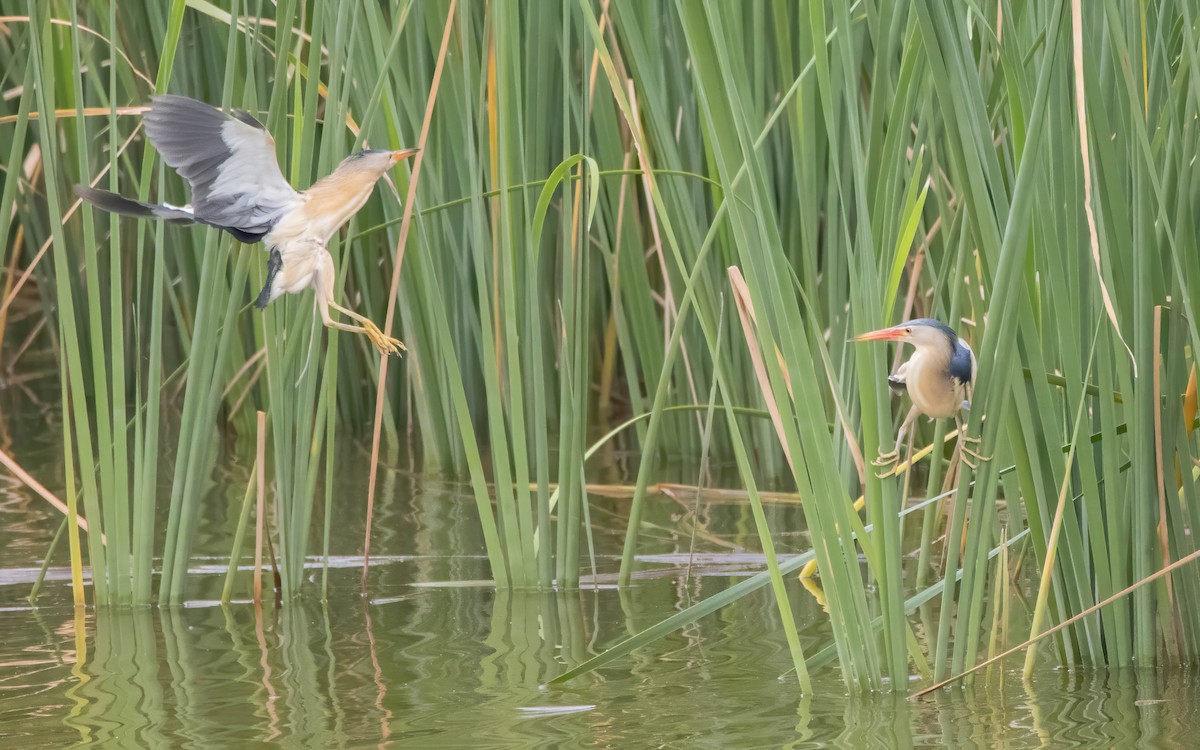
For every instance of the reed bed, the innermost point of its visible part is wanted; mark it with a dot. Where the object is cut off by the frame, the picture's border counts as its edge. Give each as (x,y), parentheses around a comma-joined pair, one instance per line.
(657,222)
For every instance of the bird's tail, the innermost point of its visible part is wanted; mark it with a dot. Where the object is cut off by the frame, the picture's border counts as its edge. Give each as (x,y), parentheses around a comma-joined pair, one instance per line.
(119,204)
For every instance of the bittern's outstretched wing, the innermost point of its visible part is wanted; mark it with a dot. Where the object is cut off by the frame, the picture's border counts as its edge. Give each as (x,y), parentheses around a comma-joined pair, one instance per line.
(228,161)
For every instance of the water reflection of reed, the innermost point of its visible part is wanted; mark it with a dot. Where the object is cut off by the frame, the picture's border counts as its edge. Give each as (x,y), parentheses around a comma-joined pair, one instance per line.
(1121,708)
(464,666)
(206,677)
(119,696)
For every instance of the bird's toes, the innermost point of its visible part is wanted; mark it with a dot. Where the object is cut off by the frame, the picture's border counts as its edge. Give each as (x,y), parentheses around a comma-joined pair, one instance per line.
(384,346)
(389,345)
(384,343)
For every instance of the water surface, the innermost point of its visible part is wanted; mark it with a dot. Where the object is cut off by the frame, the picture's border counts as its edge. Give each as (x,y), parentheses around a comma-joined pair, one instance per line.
(435,657)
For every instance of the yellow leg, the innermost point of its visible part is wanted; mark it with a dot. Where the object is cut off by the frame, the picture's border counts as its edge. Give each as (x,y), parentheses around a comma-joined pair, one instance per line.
(324,293)
(384,343)
(891,457)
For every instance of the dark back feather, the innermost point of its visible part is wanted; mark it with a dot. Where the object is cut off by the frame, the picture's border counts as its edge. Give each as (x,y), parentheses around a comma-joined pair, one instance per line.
(960,363)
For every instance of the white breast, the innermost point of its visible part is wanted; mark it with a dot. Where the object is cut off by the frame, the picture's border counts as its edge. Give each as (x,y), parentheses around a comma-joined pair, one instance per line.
(300,260)
(932,391)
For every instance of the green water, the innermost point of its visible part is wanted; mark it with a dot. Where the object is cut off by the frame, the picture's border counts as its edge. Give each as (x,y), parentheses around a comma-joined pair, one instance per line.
(435,657)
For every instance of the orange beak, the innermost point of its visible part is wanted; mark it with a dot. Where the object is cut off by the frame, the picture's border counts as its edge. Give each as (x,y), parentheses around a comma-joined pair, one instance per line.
(403,153)
(895,333)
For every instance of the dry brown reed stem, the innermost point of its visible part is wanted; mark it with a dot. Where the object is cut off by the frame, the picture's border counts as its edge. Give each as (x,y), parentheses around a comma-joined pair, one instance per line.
(41,491)
(260,508)
(405,226)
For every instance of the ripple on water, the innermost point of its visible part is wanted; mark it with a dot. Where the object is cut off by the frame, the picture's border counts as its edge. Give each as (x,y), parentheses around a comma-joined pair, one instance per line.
(423,663)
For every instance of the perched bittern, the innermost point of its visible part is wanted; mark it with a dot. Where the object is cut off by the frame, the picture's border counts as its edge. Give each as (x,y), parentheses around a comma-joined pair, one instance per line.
(229,163)
(939,378)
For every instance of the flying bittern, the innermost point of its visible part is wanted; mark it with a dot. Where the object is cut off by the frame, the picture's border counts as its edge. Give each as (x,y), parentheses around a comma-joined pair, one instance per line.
(939,378)
(229,163)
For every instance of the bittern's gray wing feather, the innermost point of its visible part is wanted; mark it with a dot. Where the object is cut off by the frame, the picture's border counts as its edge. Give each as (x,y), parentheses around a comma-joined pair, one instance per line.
(229,161)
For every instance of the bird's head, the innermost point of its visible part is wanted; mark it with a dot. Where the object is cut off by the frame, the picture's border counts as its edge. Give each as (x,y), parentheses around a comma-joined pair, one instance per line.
(923,333)
(374,161)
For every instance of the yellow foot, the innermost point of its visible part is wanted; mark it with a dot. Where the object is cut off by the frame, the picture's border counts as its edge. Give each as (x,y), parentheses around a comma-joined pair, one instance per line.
(384,343)
(969,455)
(887,461)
